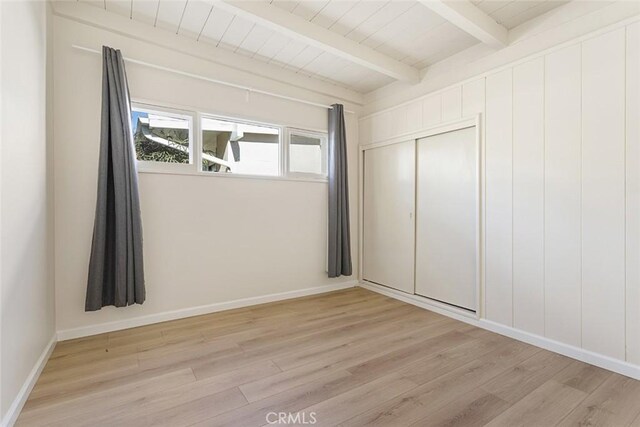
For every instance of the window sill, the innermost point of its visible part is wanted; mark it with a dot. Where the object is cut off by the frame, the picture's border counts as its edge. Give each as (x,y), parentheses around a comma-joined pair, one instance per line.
(233,176)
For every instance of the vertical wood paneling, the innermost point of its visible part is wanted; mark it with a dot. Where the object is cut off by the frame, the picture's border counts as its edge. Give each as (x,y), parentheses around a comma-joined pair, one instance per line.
(563,139)
(473,98)
(603,194)
(398,121)
(499,233)
(528,196)
(381,126)
(431,111)
(364,130)
(562,189)
(633,193)
(414,116)
(452,104)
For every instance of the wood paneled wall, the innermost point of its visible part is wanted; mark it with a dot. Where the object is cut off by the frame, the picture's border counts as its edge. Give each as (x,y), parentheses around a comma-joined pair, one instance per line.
(562,183)
(603,194)
(562,196)
(499,198)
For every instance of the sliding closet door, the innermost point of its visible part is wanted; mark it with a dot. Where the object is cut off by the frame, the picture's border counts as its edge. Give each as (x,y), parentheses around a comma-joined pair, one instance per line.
(388,215)
(447,218)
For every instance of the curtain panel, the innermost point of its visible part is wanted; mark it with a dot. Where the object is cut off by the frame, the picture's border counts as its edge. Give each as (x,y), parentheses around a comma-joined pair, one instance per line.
(339,255)
(116,271)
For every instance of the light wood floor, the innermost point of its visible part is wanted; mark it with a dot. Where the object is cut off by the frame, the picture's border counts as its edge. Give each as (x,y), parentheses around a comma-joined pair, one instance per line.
(352,358)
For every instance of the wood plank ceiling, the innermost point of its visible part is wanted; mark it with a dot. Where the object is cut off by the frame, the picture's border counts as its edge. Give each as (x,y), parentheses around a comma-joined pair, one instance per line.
(406,31)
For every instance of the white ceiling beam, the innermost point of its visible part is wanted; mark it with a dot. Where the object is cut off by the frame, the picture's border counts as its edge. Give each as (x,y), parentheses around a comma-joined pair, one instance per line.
(203,61)
(300,29)
(470,19)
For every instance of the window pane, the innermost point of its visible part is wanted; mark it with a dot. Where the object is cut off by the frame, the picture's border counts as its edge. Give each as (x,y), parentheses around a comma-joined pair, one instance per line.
(160,138)
(307,153)
(239,148)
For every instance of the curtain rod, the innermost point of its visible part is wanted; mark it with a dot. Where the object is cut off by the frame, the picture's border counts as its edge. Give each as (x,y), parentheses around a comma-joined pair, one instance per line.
(208,79)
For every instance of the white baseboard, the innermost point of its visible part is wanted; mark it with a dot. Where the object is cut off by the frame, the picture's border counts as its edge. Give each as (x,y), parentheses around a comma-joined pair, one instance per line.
(597,359)
(84,331)
(14,410)
(620,366)
(423,302)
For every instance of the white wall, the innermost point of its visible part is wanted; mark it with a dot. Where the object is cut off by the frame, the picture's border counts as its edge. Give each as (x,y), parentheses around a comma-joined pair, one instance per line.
(27,311)
(207,239)
(562,146)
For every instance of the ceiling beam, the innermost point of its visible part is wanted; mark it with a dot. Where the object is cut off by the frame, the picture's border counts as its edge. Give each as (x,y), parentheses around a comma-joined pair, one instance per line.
(204,61)
(300,29)
(470,19)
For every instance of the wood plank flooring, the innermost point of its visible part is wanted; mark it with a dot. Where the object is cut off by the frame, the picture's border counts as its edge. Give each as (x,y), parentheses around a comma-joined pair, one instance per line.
(349,358)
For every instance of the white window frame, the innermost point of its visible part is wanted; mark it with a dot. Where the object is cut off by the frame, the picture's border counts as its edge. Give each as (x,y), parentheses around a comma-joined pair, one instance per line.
(324,138)
(148,166)
(281,133)
(194,167)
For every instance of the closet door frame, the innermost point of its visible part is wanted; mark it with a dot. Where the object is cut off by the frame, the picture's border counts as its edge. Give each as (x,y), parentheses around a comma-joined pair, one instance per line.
(480,214)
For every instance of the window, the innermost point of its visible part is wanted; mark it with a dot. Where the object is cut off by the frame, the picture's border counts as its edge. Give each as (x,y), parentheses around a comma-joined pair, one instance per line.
(307,153)
(161,136)
(234,147)
(165,141)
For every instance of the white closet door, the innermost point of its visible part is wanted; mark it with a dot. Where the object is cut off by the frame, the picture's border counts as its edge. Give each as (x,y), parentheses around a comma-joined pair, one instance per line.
(389,225)
(447,218)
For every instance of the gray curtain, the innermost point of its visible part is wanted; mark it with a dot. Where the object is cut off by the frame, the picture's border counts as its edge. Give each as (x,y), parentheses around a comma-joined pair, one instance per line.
(339,235)
(116,275)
